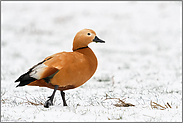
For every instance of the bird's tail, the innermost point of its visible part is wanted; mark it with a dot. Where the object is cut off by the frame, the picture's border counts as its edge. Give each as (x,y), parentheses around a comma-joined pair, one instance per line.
(25,79)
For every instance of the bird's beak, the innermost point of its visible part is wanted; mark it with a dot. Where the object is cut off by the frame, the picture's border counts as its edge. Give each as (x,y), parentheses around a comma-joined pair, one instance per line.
(96,39)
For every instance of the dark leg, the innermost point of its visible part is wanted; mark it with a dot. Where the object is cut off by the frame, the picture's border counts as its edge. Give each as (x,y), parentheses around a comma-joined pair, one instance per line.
(49,102)
(63,98)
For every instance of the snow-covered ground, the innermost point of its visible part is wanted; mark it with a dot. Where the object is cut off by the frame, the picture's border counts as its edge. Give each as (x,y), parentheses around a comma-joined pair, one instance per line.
(140,61)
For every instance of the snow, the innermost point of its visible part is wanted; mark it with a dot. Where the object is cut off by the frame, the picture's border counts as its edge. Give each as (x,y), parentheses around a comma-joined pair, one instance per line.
(140,61)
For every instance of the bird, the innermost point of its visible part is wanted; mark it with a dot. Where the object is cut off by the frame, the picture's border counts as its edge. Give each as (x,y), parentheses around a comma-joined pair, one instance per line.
(64,70)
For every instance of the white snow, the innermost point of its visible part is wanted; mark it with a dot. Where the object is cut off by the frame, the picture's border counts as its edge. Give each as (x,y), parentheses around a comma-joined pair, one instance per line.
(142,53)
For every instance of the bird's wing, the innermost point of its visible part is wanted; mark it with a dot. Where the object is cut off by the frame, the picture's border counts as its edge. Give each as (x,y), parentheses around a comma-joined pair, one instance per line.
(43,69)
(47,68)
(37,72)
(53,64)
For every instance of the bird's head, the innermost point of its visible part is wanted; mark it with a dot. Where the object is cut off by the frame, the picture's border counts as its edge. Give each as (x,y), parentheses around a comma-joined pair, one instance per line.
(84,37)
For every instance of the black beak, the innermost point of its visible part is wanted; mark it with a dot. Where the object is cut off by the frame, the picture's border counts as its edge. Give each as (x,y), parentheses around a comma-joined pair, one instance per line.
(96,39)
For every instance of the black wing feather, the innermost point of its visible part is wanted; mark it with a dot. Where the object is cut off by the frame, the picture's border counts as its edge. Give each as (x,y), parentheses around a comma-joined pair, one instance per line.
(26,78)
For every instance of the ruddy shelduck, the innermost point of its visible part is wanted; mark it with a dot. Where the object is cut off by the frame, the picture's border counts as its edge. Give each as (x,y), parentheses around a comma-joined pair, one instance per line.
(64,70)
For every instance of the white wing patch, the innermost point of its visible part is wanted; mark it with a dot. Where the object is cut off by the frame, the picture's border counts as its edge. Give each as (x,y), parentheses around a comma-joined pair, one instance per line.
(38,71)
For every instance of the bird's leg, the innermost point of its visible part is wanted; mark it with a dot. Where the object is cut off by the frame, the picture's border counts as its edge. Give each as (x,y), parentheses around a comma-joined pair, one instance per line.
(63,98)
(49,102)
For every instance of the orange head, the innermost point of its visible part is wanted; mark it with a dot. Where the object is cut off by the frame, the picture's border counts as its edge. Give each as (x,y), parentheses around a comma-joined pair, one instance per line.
(84,37)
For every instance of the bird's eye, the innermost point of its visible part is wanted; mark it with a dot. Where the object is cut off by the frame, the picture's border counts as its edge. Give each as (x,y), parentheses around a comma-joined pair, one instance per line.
(88,34)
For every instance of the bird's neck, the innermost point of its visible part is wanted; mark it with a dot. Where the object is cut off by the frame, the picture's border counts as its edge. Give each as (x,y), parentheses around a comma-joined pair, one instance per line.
(80,48)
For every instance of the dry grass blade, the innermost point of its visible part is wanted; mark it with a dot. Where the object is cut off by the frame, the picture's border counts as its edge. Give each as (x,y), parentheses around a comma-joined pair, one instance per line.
(117,99)
(158,106)
(169,105)
(166,106)
(153,106)
(121,103)
(33,100)
(2,99)
(2,94)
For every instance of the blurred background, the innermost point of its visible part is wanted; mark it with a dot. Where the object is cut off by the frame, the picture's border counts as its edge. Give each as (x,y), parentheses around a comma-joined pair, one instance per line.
(143,49)
(140,36)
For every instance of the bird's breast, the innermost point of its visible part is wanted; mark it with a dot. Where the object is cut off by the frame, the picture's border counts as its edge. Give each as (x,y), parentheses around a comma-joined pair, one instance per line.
(82,67)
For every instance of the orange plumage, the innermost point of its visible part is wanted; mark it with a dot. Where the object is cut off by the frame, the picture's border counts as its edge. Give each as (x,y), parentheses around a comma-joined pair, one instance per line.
(65,70)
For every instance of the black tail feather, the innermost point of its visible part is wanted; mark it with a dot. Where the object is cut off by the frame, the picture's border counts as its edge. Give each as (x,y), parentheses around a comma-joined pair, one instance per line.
(25,79)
